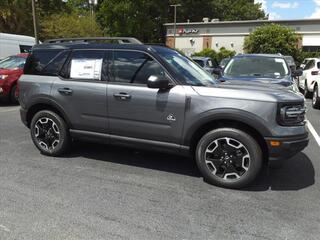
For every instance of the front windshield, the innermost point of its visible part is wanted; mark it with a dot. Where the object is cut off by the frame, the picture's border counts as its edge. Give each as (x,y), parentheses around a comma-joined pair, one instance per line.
(200,62)
(193,74)
(257,67)
(224,61)
(12,62)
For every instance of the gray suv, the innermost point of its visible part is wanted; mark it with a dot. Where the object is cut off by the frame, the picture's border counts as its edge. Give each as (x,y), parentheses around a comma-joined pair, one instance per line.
(154,98)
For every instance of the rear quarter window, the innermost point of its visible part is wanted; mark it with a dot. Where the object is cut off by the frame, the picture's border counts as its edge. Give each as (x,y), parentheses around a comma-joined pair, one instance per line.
(38,61)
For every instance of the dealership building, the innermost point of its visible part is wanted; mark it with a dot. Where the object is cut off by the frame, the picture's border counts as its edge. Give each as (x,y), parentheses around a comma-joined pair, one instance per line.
(195,36)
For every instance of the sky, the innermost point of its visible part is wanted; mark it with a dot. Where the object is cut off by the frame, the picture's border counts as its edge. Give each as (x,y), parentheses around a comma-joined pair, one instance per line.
(291,9)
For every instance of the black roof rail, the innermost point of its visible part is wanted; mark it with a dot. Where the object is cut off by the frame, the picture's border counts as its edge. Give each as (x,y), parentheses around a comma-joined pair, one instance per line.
(119,40)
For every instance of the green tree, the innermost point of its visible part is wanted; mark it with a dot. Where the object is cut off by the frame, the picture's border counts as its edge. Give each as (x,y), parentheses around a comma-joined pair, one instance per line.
(69,25)
(138,18)
(15,17)
(230,10)
(273,38)
(144,19)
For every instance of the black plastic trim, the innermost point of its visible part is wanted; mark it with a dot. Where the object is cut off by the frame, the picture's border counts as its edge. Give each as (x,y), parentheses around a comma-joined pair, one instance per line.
(139,143)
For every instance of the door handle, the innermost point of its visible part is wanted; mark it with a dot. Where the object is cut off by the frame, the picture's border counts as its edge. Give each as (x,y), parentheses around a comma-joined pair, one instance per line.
(122,96)
(65,91)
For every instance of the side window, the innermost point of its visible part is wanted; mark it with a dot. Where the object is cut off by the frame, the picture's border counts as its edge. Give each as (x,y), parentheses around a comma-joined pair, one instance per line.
(25,48)
(318,65)
(38,60)
(310,65)
(134,67)
(85,65)
(54,66)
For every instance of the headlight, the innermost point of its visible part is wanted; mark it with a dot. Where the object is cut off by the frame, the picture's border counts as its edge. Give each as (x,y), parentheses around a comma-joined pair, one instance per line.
(2,77)
(291,115)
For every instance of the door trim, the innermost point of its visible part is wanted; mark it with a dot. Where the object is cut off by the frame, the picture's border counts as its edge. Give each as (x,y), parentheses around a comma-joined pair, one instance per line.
(144,144)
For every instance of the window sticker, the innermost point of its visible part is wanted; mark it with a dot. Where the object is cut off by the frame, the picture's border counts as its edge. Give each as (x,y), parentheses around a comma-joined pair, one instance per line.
(86,69)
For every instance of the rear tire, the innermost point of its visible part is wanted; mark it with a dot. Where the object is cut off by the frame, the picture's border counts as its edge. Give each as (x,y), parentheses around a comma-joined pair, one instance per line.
(50,133)
(229,157)
(307,93)
(316,98)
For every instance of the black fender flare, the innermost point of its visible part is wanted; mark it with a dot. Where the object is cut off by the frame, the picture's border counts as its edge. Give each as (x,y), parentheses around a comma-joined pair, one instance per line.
(48,102)
(228,114)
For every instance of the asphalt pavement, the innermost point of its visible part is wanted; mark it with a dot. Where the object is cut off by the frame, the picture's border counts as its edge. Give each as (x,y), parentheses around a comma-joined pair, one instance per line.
(106,192)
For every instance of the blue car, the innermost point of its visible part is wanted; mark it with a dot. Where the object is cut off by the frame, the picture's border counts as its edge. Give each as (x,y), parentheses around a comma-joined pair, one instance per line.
(259,68)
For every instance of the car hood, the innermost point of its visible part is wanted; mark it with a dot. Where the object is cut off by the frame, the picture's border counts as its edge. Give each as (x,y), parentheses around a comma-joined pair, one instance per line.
(255,91)
(4,71)
(283,81)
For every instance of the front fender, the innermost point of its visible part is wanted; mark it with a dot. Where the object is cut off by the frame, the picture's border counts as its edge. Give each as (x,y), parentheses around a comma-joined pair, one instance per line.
(237,115)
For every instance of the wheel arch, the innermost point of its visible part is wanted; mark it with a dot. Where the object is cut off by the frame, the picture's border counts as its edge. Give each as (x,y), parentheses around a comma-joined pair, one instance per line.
(253,127)
(48,105)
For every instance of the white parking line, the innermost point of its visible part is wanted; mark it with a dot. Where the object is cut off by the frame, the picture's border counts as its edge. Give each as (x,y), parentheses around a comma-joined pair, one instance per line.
(9,110)
(313,132)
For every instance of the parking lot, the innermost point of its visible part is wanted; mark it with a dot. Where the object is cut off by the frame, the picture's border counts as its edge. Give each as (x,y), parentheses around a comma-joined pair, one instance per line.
(106,192)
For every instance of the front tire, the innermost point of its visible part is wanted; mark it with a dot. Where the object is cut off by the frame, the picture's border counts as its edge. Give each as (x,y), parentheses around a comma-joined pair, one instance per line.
(229,157)
(50,133)
(316,98)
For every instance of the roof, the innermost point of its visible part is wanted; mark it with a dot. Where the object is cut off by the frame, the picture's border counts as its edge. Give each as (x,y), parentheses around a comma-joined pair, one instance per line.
(317,20)
(24,55)
(8,36)
(87,45)
(260,55)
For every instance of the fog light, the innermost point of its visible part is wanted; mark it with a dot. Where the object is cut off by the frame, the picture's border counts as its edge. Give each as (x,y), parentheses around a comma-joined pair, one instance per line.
(1,90)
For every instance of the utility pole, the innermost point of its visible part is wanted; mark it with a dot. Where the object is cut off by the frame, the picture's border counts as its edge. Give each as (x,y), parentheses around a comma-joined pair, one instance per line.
(175,22)
(34,21)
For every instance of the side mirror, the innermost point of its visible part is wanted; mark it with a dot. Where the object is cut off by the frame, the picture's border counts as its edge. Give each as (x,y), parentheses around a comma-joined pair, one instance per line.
(217,71)
(297,73)
(158,81)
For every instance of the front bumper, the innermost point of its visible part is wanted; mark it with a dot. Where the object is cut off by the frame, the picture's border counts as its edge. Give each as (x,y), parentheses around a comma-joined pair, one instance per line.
(288,146)
(3,93)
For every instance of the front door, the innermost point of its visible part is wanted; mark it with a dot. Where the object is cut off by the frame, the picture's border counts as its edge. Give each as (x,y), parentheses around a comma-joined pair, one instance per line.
(136,111)
(81,91)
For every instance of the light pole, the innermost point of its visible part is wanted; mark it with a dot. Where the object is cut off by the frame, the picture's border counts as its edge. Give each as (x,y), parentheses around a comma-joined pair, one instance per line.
(34,21)
(175,22)
(92,4)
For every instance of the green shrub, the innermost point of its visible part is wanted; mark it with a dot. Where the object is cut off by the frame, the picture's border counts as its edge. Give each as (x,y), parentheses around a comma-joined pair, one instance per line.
(218,56)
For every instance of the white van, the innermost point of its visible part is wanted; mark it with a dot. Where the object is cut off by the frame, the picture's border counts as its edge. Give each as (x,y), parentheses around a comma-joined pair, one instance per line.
(12,44)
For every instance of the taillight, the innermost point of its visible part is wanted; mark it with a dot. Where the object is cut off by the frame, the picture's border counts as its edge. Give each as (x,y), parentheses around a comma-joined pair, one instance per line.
(314,72)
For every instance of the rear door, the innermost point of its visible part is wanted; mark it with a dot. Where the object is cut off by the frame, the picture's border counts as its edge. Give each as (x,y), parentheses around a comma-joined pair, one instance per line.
(81,90)
(136,111)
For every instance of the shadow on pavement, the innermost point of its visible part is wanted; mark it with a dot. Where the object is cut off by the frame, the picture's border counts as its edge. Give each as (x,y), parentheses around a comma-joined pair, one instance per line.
(137,158)
(296,173)
(5,104)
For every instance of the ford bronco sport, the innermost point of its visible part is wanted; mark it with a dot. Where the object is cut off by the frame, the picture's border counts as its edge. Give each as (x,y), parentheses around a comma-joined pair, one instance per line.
(153,97)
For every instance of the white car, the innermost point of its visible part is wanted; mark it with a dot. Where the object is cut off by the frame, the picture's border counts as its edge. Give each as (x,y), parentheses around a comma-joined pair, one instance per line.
(316,95)
(303,64)
(310,76)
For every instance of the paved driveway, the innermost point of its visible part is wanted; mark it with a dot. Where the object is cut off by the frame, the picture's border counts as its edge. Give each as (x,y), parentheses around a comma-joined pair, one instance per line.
(105,192)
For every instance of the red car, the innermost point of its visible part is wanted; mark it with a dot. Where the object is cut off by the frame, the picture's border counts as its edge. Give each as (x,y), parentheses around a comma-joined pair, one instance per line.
(11,68)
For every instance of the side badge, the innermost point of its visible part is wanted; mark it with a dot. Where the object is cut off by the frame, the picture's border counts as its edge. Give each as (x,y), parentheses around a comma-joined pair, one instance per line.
(171,117)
